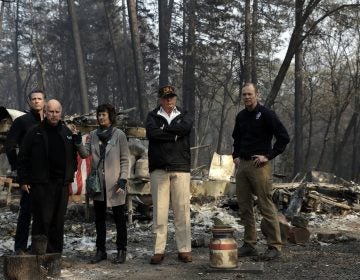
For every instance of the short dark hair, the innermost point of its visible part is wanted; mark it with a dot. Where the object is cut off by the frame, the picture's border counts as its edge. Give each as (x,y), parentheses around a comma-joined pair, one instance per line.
(36,91)
(110,109)
(246,84)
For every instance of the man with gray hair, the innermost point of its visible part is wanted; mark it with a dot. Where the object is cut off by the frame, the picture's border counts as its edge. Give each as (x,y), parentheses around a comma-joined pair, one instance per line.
(46,167)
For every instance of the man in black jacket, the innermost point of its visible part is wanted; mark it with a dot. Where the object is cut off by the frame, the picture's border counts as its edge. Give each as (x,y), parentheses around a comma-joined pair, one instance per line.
(168,128)
(46,167)
(255,127)
(13,141)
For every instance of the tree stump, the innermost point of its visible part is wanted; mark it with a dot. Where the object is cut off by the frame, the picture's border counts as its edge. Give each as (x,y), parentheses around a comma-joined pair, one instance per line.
(32,267)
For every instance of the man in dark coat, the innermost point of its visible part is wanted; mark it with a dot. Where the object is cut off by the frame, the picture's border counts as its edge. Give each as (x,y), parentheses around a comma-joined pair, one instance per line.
(46,167)
(255,127)
(168,129)
(14,138)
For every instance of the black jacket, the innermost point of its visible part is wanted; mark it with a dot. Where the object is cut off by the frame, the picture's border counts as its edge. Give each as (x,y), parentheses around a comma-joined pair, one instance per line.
(169,145)
(254,131)
(33,162)
(17,133)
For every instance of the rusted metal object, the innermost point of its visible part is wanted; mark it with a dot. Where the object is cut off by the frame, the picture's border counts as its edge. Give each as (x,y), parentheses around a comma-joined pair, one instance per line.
(223,248)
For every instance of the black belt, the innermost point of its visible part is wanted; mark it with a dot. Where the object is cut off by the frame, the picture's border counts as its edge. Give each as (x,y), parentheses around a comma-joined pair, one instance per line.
(246,158)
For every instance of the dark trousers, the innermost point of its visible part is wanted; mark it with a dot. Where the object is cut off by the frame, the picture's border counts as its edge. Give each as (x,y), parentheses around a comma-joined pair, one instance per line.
(23,222)
(100,224)
(49,203)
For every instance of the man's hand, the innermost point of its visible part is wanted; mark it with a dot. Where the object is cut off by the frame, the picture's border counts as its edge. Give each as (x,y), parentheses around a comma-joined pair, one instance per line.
(237,162)
(26,188)
(73,128)
(77,138)
(259,160)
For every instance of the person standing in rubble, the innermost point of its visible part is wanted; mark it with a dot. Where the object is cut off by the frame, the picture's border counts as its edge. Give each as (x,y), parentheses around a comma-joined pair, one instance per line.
(255,127)
(168,130)
(109,152)
(14,138)
(46,167)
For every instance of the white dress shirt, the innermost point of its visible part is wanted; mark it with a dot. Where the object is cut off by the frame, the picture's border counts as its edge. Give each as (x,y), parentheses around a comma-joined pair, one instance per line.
(174,113)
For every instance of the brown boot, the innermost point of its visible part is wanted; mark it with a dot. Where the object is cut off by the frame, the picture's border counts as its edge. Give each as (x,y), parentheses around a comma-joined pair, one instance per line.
(157,259)
(185,257)
(247,250)
(270,254)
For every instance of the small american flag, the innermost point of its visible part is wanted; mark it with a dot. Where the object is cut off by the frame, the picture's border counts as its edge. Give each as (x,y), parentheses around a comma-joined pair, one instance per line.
(83,170)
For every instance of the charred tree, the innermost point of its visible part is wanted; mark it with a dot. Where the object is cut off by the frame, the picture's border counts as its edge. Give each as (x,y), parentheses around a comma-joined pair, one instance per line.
(139,64)
(165,13)
(254,30)
(247,47)
(189,61)
(114,24)
(299,92)
(20,98)
(79,57)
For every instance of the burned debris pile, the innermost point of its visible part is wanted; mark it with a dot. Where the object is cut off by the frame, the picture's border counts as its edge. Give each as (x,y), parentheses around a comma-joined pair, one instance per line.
(318,192)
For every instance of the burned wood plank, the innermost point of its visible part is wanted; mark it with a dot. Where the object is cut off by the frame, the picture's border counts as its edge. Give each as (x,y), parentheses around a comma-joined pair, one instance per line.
(328,200)
(286,185)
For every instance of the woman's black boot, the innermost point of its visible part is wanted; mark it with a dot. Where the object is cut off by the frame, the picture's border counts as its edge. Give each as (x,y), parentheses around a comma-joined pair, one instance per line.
(120,257)
(100,255)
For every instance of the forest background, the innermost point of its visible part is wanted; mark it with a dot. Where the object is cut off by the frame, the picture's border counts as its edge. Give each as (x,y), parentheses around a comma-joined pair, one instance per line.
(304,55)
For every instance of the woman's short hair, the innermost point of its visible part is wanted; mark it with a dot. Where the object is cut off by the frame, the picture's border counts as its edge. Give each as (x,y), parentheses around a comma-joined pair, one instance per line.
(110,109)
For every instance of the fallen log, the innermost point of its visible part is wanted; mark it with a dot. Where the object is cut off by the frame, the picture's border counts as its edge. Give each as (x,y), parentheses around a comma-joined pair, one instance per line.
(328,200)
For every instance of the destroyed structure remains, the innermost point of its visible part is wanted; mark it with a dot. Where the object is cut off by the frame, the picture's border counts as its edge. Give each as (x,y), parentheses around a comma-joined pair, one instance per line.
(319,216)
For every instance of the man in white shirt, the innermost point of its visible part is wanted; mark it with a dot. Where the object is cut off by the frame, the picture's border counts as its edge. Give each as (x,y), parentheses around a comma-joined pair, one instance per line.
(168,129)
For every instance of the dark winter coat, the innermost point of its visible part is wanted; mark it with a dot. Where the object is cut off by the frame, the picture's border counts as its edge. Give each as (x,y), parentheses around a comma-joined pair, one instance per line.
(17,133)
(254,131)
(33,163)
(169,144)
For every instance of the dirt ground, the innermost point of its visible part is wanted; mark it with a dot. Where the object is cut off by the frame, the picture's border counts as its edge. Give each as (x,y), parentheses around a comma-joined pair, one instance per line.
(311,261)
(339,259)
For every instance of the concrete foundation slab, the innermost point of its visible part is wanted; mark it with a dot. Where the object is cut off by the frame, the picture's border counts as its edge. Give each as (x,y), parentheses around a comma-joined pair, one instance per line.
(243,267)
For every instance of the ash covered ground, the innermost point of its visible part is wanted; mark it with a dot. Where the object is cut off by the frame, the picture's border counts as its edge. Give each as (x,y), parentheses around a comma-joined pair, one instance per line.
(337,258)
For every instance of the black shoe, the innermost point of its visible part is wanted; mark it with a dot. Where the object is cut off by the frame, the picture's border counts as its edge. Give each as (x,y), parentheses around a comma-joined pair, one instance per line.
(270,254)
(247,251)
(100,255)
(120,257)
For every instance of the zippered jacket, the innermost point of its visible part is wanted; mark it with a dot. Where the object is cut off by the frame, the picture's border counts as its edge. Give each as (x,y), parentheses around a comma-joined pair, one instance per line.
(169,144)
(17,133)
(33,161)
